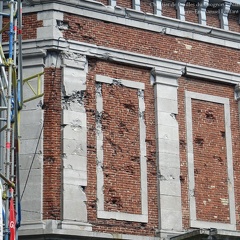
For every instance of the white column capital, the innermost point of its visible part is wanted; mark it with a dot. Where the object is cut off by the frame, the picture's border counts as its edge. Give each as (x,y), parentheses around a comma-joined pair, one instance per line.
(167,76)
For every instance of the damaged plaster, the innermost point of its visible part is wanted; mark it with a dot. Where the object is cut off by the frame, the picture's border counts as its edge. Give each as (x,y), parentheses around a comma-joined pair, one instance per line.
(74,142)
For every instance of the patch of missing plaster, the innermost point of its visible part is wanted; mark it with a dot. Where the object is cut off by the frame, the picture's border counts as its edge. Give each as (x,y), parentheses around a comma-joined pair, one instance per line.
(75,97)
(135,158)
(188,47)
(196,171)
(62,25)
(99,89)
(82,188)
(162,178)
(224,201)
(182,179)
(117,82)
(141,114)
(223,134)
(116,147)
(199,141)
(182,143)
(173,115)
(140,93)
(122,127)
(209,115)
(130,106)
(98,117)
(115,201)
(218,158)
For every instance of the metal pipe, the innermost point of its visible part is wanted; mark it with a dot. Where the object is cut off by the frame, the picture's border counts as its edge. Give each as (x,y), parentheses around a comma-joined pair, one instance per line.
(20,58)
(9,105)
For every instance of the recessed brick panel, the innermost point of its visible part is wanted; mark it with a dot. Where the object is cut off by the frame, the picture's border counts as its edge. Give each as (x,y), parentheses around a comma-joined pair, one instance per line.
(210,165)
(121,149)
(210,161)
(121,126)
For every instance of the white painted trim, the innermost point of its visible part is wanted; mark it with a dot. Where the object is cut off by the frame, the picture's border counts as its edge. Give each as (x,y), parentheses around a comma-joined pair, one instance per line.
(160,65)
(101,213)
(53,228)
(190,156)
(126,83)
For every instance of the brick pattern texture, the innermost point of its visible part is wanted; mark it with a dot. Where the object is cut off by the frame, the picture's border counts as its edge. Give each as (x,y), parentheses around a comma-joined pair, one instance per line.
(120,157)
(52,144)
(29,29)
(121,149)
(209,146)
(210,161)
(153,44)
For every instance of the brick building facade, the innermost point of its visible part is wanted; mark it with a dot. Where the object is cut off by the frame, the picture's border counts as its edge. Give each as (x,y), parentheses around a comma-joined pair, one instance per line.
(137,134)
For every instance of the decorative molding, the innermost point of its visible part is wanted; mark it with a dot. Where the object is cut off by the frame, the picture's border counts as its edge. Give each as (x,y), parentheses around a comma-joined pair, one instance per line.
(112,3)
(157,6)
(223,14)
(202,19)
(193,218)
(136,5)
(211,74)
(101,213)
(180,5)
(237,92)
(157,64)
(73,59)
(167,152)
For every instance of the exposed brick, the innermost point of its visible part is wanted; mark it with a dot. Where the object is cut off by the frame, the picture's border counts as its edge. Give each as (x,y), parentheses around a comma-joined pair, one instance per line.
(52,144)
(149,43)
(121,149)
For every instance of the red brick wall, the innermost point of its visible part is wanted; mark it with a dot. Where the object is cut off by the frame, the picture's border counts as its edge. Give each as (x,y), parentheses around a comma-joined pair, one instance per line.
(52,144)
(30,25)
(210,166)
(169,9)
(147,6)
(149,43)
(29,29)
(121,149)
(210,161)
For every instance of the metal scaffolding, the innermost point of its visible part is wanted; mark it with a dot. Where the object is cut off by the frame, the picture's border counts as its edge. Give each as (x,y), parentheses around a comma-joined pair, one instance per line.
(11,101)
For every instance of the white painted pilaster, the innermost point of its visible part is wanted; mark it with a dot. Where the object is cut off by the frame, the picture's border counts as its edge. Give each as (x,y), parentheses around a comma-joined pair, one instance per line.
(202,19)
(136,5)
(158,7)
(223,15)
(112,3)
(180,5)
(74,142)
(168,160)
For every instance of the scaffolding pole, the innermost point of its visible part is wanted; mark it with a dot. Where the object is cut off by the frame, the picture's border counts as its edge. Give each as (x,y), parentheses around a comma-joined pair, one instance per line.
(10,99)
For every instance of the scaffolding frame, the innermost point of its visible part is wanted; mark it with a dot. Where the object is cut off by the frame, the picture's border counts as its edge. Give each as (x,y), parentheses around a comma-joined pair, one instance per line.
(11,102)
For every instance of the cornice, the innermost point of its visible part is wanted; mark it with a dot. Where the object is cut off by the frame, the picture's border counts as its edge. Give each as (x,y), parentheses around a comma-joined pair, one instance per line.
(158,66)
